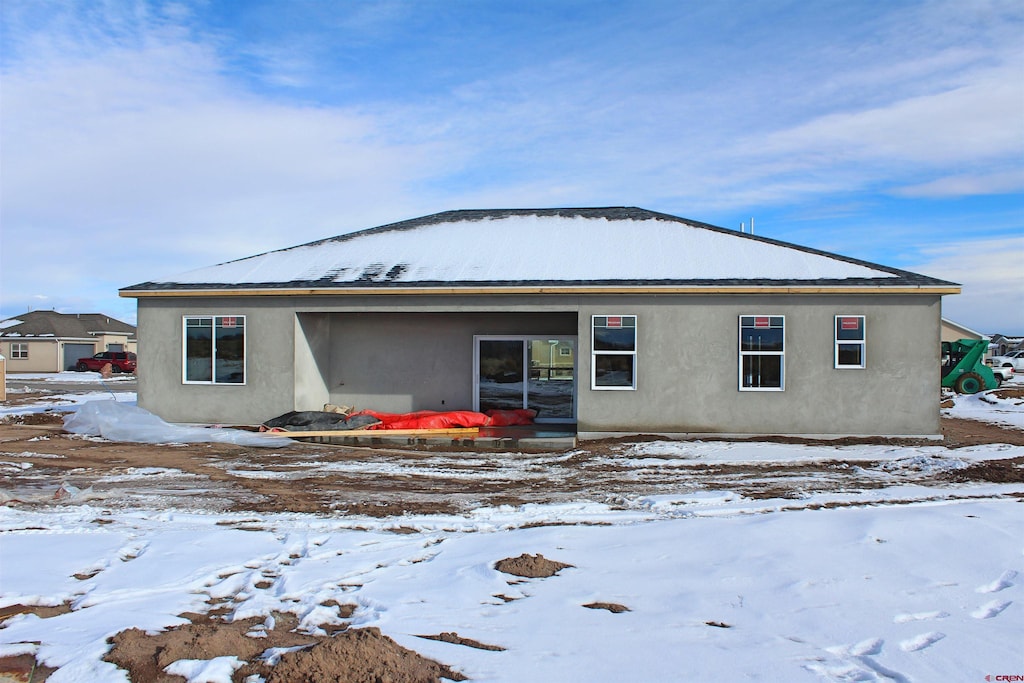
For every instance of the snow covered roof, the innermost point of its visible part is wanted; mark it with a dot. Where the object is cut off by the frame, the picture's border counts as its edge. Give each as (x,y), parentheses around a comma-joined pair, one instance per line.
(617,246)
(63,325)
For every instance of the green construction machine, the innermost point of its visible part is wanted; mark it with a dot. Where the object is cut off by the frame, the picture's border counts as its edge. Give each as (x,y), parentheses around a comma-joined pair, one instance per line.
(962,368)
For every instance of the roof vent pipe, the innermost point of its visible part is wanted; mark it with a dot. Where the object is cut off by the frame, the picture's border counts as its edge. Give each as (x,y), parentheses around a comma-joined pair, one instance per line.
(751,225)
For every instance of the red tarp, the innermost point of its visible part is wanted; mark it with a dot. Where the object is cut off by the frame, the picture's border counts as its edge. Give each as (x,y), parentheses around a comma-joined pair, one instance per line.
(432,419)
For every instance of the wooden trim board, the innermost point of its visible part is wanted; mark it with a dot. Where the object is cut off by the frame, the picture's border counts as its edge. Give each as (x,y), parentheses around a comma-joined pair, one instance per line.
(640,289)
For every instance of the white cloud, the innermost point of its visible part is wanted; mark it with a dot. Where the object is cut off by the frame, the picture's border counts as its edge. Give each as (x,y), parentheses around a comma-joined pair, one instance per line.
(130,163)
(960,185)
(902,114)
(124,142)
(970,123)
(992,276)
(136,126)
(125,160)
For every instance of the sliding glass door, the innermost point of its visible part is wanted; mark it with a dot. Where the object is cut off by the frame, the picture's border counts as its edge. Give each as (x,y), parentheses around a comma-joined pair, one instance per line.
(526,372)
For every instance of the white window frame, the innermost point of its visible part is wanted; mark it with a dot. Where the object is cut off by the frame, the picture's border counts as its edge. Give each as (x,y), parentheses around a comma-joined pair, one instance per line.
(213,350)
(594,353)
(862,342)
(743,354)
(19,351)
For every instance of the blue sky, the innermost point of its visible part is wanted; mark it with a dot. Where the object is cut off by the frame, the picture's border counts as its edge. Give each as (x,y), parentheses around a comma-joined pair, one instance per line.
(142,139)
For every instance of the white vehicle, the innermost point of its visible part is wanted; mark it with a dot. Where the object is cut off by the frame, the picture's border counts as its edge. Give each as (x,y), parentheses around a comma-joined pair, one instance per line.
(1014,359)
(1003,373)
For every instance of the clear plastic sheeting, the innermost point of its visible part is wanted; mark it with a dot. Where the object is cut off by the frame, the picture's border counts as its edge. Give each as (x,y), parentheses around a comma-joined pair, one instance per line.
(123,422)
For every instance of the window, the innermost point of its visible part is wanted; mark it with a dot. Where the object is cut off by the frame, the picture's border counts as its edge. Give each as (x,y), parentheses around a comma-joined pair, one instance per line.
(214,350)
(850,341)
(613,363)
(762,352)
(19,351)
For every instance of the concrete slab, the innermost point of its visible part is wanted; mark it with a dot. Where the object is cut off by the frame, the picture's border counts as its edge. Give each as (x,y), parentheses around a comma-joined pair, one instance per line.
(528,438)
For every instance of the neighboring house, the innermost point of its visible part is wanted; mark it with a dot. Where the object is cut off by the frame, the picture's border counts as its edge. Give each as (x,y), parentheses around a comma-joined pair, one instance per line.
(673,327)
(952,331)
(47,341)
(1000,344)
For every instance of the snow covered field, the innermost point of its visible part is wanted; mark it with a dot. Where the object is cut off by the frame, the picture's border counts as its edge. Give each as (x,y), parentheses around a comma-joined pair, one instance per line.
(899,583)
(987,407)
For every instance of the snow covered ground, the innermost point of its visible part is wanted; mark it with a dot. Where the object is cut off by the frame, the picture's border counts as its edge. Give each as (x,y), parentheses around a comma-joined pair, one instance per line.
(60,390)
(888,584)
(66,377)
(987,406)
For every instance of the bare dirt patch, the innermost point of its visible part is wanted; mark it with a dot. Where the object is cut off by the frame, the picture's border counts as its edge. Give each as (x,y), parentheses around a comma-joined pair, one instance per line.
(41,611)
(613,607)
(530,566)
(1008,471)
(456,639)
(1009,393)
(23,669)
(958,433)
(44,418)
(37,460)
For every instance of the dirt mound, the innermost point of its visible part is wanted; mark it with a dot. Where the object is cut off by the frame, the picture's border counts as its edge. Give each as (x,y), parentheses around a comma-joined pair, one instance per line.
(356,656)
(359,656)
(530,566)
(145,656)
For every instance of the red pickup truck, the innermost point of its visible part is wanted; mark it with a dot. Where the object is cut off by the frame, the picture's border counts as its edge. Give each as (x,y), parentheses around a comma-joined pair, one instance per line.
(120,361)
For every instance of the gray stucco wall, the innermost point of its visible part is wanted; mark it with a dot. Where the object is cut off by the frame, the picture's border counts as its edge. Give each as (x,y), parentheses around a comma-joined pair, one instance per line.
(374,352)
(401,362)
(398,353)
(270,358)
(688,368)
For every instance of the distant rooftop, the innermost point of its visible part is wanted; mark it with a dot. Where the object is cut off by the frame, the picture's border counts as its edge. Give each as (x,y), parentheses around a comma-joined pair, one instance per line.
(64,325)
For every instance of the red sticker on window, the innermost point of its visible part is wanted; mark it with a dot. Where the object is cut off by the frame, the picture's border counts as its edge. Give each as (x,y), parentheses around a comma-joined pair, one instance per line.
(614,321)
(762,322)
(849,323)
(227,322)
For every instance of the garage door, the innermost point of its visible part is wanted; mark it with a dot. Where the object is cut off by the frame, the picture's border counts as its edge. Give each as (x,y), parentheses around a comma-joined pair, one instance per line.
(72,352)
